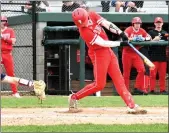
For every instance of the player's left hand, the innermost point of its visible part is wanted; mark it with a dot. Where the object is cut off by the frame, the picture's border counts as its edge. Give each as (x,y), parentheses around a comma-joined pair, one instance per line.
(39,88)
(138,39)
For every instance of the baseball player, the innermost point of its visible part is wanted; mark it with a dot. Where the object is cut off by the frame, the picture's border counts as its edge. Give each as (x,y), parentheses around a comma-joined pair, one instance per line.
(144,51)
(158,56)
(103,58)
(8,39)
(131,59)
(39,86)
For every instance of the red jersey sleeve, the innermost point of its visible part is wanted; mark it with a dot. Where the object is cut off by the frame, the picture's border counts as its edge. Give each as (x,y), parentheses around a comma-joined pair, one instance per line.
(88,36)
(97,17)
(128,31)
(144,33)
(12,33)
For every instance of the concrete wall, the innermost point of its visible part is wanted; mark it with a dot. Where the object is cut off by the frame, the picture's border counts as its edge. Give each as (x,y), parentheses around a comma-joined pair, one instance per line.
(40,50)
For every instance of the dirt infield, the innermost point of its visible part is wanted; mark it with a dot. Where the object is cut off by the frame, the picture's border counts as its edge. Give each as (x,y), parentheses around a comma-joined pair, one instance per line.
(53,116)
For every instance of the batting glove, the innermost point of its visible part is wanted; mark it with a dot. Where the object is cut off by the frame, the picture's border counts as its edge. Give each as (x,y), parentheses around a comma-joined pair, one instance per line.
(123,36)
(138,39)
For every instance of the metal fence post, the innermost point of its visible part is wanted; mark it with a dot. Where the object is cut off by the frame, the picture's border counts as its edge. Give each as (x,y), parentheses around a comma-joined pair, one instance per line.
(82,63)
(34,37)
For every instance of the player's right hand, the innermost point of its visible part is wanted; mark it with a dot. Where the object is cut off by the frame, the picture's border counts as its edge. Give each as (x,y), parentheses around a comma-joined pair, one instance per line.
(124,43)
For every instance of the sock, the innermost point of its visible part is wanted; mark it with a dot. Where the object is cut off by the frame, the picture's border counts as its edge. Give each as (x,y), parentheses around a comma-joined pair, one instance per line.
(25,82)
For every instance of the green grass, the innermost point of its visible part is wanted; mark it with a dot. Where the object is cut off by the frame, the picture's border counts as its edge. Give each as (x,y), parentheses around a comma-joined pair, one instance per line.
(91,101)
(89,128)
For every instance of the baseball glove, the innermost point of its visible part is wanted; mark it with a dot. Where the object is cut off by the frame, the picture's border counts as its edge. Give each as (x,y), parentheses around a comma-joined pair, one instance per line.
(39,88)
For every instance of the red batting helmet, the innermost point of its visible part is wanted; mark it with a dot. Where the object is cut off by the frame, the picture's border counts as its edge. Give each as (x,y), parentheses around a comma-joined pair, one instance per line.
(4,18)
(80,17)
(136,20)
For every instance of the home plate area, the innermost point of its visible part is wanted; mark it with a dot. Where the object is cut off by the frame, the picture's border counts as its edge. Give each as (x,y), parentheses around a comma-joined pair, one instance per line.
(54,116)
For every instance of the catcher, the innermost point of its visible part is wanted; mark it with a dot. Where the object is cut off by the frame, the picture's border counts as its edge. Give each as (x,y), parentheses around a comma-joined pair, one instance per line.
(39,86)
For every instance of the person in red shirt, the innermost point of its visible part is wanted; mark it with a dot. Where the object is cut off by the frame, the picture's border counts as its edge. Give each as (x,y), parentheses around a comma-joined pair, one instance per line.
(103,58)
(131,59)
(8,39)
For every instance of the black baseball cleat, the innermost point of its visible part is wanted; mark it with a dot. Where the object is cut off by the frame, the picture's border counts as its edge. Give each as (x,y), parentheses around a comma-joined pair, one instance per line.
(139,92)
(163,92)
(152,92)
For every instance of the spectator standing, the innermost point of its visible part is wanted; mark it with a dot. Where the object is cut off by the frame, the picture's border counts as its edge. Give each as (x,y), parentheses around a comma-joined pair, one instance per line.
(105,6)
(138,4)
(69,6)
(167,2)
(119,3)
(28,6)
(85,4)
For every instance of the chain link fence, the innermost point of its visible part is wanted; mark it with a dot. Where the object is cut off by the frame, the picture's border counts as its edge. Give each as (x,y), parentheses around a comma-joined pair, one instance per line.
(23,49)
(125,6)
(108,6)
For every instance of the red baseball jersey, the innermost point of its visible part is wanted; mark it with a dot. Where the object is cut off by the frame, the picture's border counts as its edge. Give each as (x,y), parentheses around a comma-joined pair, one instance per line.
(130,32)
(7,33)
(94,29)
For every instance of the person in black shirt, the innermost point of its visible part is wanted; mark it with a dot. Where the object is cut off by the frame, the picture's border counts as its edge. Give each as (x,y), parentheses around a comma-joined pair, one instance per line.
(105,6)
(158,56)
(69,6)
(139,4)
(38,8)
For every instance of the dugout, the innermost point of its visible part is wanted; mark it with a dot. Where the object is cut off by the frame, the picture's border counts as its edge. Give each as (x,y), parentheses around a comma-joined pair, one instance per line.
(121,20)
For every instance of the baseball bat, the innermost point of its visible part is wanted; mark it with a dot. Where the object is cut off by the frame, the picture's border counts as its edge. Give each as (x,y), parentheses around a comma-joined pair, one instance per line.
(145,59)
(166,35)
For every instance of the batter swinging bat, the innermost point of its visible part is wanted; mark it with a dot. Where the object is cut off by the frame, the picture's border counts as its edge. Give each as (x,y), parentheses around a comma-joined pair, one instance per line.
(145,59)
